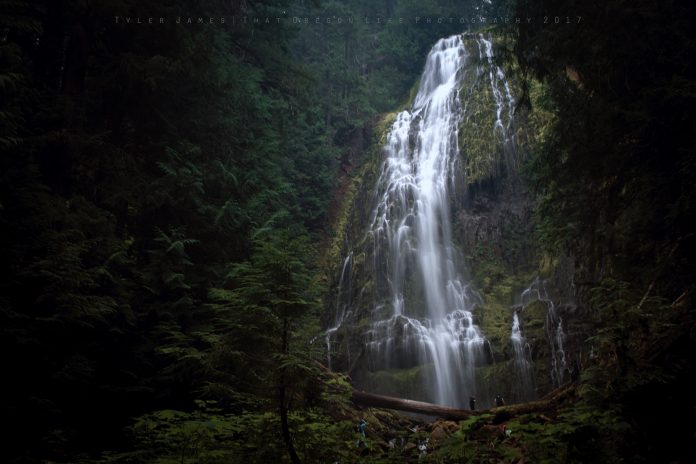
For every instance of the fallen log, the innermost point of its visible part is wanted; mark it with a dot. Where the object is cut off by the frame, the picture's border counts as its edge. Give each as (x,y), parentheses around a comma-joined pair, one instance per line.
(389,402)
(500,414)
(550,401)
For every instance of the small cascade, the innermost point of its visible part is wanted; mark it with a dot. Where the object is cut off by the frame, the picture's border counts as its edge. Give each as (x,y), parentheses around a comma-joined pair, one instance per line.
(558,359)
(522,363)
(504,101)
(553,326)
(343,301)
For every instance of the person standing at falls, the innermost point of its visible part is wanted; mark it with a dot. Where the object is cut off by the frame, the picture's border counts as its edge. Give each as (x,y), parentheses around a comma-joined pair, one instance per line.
(472,403)
(361,431)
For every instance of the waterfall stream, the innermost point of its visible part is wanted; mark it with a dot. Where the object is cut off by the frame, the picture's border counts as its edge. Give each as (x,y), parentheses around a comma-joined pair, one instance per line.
(342,303)
(423,306)
(554,328)
(413,237)
(522,363)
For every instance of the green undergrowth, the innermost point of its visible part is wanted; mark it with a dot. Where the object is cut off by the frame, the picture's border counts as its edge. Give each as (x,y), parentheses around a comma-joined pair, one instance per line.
(574,435)
(323,433)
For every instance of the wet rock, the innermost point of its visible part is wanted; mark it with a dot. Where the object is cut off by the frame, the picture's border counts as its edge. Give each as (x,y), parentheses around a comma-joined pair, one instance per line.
(449,426)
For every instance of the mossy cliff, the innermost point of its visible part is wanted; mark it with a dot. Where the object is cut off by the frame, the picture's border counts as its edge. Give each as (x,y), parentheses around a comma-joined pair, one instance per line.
(493,228)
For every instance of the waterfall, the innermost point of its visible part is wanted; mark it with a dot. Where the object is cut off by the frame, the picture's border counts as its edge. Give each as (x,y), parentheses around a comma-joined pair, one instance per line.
(496,78)
(428,317)
(504,101)
(554,328)
(522,363)
(343,295)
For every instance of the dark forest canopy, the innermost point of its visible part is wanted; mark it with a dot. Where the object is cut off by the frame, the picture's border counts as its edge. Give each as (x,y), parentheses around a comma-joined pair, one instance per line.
(166,203)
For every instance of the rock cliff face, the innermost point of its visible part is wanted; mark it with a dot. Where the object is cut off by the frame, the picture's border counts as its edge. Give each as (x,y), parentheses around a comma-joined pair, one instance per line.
(520,298)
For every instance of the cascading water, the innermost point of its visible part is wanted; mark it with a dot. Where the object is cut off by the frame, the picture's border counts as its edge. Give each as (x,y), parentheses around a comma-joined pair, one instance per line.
(422,306)
(554,328)
(497,78)
(522,363)
(342,303)
(431,319)
(504,101)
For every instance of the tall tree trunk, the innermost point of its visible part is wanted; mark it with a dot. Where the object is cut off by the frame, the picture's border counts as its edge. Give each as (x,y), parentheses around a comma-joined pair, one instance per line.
(294,458)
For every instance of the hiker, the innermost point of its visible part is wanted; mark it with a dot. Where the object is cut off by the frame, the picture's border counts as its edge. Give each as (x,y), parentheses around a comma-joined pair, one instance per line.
(472,403)
(361,427)
(361,430)
(499,401)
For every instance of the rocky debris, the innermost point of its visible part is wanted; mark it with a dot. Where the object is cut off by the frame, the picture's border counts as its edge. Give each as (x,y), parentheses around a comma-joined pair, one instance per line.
(441,430)
(410,446)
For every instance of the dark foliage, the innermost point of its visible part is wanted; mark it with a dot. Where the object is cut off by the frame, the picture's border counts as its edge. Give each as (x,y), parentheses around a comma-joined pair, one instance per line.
(162,189)
(615,188)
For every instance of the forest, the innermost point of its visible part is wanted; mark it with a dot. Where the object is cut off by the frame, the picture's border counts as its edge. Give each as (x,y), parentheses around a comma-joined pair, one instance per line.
(196,216)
